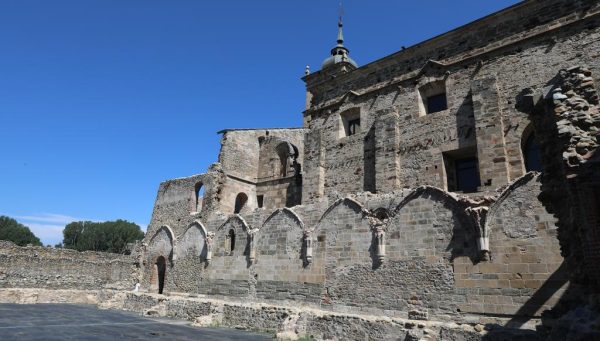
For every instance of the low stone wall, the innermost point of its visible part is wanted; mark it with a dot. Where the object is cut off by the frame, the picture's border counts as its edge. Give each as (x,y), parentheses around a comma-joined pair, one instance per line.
(41,267)
(293,321)
(287,322)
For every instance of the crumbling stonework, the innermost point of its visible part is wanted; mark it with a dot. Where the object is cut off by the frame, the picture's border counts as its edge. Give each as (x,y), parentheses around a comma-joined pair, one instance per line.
(41,267)
(411,195)
(369,208)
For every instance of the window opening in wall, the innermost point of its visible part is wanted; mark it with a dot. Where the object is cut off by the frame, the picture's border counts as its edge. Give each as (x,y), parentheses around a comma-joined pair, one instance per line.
(432,98)
(350,122)
(531,153)
(462,170)
(353,126)
(437,103)
(282,153)
(240,201)
(199,196)
(260,199)
(467,175)
(231,240)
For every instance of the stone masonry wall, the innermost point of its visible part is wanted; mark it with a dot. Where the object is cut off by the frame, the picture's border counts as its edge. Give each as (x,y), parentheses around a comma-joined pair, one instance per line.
(41,267)
(482,89)
(431,267)
(378,229)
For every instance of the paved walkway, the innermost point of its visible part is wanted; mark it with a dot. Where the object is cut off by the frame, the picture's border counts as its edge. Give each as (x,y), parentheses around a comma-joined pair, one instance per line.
(85,322)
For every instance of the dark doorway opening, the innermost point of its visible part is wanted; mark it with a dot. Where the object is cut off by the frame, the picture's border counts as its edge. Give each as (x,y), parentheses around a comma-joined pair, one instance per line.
(161,269)
(240,202)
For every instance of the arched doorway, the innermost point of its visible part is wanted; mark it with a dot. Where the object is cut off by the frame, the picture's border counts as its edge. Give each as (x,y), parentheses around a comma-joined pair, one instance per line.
(159,269)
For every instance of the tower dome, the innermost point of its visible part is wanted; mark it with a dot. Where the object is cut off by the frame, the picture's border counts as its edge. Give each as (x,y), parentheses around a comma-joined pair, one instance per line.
(339,54)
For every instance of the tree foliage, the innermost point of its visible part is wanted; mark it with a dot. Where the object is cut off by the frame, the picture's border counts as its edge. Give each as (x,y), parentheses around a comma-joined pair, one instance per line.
(109,236)
(17,233)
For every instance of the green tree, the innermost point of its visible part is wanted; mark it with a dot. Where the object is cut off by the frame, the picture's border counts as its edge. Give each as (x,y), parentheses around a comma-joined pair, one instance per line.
(17,233)
(109,236)
(72,233)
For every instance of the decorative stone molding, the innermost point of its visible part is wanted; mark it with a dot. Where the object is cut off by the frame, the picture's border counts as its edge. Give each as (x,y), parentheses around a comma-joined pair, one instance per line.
(252,244)
(308,251)
(478,216)
(209,245)
(380,246)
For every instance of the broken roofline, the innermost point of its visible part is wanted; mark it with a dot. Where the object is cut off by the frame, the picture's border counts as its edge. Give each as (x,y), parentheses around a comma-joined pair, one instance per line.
(244,129)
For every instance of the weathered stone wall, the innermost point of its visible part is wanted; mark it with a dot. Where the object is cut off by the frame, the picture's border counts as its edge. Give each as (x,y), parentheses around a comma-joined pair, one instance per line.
(525,274)
(378,229)
(431,266)
(291,322)
(482,89)
(41,267)
(252,160)
(240,149)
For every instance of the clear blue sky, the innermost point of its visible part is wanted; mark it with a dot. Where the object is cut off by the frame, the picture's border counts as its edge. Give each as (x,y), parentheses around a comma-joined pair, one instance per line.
(101,100)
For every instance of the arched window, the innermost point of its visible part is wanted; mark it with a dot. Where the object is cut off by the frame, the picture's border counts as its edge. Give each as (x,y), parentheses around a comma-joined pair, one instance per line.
(283,153)
(531,154)
(199,191)
(240,202)
(231,237)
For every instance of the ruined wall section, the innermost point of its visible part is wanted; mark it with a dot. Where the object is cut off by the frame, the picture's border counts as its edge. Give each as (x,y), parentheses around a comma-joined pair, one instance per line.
(430,264)
(251,170)
(240,149)
(41,267)
(177,204)
(228,272)
(281,269)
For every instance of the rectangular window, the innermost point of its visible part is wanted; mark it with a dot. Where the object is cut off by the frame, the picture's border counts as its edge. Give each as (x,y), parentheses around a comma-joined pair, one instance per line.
(259,200)
(437,103)
(349,122)
(462,170)
(432,97)
(467,175)
(353,126)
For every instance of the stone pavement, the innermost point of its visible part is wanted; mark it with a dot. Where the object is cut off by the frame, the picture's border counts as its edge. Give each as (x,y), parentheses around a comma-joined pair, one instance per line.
(85,322)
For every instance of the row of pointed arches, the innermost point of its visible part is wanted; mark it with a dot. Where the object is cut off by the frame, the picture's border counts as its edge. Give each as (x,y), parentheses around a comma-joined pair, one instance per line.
(427,222)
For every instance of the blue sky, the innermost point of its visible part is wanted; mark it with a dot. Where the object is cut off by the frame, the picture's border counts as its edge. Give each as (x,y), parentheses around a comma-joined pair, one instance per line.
(101,100)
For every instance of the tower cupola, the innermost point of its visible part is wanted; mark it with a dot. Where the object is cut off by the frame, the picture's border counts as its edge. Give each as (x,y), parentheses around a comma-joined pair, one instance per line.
(339,54)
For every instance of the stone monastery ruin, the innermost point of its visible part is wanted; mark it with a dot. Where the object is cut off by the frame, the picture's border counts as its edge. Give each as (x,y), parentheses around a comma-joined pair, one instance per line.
(455,183)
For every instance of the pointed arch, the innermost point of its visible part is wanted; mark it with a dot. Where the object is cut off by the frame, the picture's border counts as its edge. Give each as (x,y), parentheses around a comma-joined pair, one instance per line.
(507,193)
(285,211)
(198,224)
(280,234)
(234,218)
(444,196)
(162,244)
(169,233)
(425,212)
(192,241)
(350,203)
